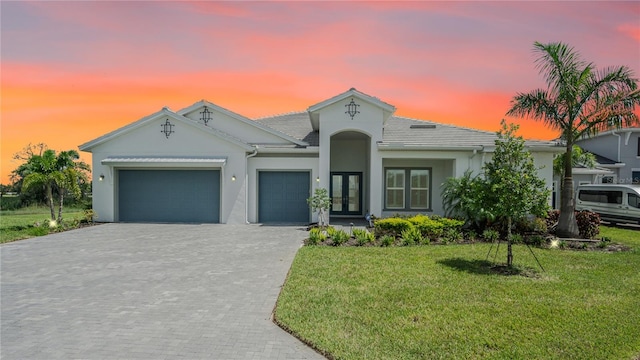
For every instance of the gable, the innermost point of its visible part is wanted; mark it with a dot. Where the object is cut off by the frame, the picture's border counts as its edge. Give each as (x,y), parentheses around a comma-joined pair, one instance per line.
(251,132)
(164,132)
(350,106)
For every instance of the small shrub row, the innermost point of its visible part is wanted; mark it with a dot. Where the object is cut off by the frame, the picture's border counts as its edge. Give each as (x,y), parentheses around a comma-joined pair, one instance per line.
(430,229)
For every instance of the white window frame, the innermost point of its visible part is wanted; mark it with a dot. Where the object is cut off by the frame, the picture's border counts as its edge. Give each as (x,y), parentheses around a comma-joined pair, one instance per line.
(407,188)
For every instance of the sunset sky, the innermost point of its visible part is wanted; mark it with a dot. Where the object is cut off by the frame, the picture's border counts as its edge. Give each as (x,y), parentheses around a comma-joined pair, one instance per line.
(72,71)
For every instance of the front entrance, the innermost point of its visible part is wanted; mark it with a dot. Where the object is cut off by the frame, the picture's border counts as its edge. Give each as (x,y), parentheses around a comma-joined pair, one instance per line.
(346,193)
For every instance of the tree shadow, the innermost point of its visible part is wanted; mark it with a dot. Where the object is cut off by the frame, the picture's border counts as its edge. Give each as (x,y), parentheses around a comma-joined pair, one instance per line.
(484,267)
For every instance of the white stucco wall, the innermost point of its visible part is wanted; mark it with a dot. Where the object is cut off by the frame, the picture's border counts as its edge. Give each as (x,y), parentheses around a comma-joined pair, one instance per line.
(147,140)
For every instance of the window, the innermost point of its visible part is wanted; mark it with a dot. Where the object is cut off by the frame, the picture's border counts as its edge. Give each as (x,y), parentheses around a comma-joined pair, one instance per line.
(634,200)
(608,180)
(601,196)
(407,189)
(635,177)
(395,189)
(638,146)
(419,189)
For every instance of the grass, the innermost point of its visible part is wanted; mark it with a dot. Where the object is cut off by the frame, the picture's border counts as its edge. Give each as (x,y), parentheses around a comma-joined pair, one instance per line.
(444,302)
(19,224)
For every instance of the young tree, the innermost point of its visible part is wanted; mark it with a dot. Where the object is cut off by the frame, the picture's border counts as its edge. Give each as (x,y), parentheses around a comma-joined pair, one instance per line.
(321,202)
(514,190)
(57,174)
(579,101)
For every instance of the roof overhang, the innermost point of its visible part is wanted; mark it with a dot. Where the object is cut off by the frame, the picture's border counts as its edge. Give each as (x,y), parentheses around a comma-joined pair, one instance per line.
(173,162)
(594,171)
(399,147)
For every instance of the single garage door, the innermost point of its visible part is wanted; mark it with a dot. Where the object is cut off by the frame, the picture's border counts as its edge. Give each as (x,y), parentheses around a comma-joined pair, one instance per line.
(187,196)
(282,197)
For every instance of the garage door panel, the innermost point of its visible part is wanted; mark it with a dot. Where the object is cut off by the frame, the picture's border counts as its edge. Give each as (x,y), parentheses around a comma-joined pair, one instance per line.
(282,197)
(169,196)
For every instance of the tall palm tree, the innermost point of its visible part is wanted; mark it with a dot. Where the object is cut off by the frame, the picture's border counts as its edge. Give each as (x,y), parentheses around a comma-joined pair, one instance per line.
(579,101)
(56,173)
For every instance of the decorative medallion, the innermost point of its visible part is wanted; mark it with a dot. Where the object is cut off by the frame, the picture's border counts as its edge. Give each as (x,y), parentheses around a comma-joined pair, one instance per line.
(206,115)
(352,109)
(167,128)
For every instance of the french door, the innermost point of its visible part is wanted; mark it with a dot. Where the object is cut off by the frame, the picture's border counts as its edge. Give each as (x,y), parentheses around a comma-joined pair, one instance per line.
(346,193)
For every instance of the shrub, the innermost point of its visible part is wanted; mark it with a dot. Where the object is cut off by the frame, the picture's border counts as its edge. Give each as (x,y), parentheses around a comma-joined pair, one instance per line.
(535,240)
(38,230)
(331,231)
(490,235)
(534,225)
(387,240)
(88,216)
(391,226)
(363,237)
(429,228)
(413,236)
(316,236)
(451,235)
(516,238)
(10,203)
(340,237)
(588,224)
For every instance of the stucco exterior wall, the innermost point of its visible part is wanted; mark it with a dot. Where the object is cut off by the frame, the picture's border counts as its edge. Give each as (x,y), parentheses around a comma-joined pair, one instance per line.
(147,140)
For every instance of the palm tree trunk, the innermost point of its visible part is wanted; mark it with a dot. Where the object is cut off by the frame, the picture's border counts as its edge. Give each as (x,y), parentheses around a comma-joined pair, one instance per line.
(49,192)
(61,198)
(567,223)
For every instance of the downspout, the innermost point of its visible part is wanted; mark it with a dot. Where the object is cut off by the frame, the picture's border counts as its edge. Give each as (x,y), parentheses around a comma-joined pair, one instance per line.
(246,183)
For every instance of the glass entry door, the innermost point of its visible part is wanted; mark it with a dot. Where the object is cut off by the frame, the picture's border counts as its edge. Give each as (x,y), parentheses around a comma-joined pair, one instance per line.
(346,194)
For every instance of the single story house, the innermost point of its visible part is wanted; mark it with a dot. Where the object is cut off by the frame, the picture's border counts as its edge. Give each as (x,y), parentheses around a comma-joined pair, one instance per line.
(206,164)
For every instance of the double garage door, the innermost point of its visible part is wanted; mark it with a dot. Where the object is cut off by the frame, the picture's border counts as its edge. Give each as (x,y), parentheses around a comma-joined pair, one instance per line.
(176,196)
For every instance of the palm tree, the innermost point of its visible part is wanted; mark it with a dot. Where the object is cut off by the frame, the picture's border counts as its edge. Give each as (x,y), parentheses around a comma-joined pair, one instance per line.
(579,101)
(56,173)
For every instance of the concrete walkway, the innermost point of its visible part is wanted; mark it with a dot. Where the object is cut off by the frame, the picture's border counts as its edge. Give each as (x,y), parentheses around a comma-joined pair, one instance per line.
(147,291)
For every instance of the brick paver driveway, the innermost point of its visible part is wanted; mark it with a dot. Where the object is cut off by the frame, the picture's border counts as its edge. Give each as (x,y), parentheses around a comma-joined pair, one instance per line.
(123,291)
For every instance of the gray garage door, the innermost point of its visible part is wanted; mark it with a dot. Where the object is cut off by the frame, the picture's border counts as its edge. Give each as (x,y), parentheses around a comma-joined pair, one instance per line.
(282,197)
(191,196)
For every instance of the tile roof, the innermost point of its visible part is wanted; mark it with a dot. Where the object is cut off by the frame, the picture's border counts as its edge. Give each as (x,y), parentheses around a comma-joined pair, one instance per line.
(295,124)
(398,131)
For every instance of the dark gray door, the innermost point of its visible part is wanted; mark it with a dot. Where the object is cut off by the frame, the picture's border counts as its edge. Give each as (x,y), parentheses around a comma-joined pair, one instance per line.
(182,196)
(282,197)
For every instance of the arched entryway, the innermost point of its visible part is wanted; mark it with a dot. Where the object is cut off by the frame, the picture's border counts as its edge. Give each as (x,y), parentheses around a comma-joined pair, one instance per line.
(349,167)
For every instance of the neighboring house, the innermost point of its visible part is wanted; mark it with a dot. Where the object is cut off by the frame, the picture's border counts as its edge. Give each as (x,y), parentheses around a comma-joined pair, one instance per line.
(207,164)
(581,175)
(618,151)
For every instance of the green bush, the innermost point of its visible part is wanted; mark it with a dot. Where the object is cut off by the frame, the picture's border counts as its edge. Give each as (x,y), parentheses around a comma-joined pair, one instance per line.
(10,203)
(38,230)
(363,237)
(391,226)
(490,235)
(451,235)
(331,231)
(413,236)
(387,240)
(340,237)
(429,228)
(316,236)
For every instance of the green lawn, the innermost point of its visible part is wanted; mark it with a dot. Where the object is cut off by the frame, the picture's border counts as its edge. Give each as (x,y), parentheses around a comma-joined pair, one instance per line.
(442,302)
(19,224)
